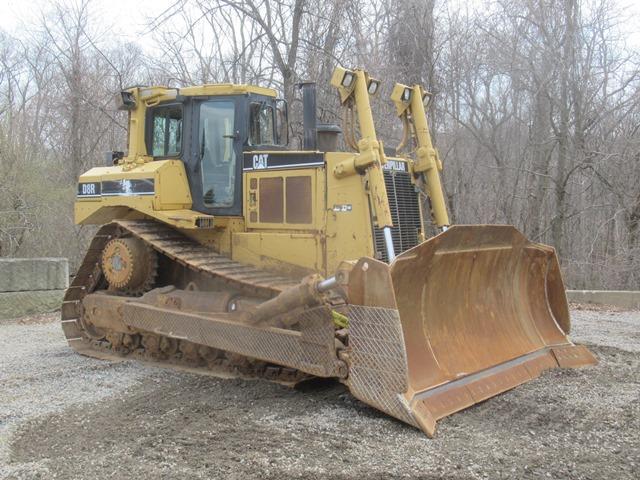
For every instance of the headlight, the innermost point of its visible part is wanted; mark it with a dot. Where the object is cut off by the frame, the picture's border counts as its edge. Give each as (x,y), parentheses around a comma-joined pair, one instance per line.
(373,86)
(348,78)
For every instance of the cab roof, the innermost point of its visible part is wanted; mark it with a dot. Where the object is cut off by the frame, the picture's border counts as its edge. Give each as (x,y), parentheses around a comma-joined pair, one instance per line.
(227,89)
(204,90)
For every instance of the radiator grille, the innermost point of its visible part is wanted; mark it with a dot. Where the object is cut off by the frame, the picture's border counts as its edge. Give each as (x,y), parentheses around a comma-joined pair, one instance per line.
(405,213)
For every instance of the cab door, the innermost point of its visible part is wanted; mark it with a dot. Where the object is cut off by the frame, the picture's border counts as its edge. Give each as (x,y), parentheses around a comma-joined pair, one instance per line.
(215,176)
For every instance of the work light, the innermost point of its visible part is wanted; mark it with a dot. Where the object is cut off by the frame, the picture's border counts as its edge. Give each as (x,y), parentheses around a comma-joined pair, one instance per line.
(373,86)
(125,100)
(348,78)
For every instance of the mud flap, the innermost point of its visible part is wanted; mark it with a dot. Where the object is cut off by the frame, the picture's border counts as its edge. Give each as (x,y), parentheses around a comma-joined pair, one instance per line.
(456,320)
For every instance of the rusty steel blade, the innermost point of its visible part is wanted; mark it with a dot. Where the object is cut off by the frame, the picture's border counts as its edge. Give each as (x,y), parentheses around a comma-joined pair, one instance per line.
(480,309)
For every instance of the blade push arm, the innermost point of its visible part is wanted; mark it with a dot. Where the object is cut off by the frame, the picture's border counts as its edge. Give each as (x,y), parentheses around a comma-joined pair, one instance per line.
(409,103)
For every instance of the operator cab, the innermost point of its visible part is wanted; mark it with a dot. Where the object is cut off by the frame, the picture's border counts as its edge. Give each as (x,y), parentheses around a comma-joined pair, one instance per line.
(209,131)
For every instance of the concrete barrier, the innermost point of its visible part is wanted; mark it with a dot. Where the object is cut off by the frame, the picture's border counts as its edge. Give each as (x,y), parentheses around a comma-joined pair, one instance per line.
(27,274)
(618,298)
(20,304)
(32,285)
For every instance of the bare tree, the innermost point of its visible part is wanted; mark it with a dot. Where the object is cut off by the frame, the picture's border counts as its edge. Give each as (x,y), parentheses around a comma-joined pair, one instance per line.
(536,110)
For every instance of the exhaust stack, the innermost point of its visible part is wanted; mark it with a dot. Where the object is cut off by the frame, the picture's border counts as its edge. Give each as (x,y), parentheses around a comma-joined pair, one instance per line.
(310,141)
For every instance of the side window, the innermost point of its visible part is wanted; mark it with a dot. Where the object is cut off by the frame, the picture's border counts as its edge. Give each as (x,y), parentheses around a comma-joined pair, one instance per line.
(261,124)
(217,153)
(166,137)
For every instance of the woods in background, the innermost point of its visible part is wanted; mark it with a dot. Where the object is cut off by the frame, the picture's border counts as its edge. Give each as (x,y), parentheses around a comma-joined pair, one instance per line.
(536,111)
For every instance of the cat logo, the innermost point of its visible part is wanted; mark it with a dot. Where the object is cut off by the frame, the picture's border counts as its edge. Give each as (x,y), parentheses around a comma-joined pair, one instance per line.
(260,161)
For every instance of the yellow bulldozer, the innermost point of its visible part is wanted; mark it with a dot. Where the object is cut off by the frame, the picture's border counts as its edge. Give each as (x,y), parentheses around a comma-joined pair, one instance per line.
(221,250)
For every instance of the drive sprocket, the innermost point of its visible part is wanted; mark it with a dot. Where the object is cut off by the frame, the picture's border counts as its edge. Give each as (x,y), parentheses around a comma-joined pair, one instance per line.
(129,265)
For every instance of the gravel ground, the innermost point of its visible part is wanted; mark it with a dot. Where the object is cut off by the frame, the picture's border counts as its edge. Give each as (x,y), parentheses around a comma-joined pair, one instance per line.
(67,416)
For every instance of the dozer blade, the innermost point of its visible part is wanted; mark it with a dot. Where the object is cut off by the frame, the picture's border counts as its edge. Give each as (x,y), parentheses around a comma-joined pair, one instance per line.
(458,319)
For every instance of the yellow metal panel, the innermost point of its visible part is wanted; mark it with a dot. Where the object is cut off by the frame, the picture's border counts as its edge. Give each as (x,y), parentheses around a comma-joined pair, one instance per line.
(157,94)
(289,253)
(172,186)
(218,238)
(341,222)
(289,247)
(227,89)
(87,214)
(349,229)
(252,204)
(172,195)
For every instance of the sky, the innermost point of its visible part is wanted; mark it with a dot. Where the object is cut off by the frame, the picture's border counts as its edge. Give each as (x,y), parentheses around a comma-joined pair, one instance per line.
(129,18)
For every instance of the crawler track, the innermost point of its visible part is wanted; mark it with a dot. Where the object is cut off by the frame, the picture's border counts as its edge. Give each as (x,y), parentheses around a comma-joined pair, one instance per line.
(202,263)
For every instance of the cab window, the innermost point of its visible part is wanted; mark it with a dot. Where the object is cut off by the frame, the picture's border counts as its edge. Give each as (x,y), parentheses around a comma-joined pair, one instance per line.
(166,136)
(217,153)
(261,124)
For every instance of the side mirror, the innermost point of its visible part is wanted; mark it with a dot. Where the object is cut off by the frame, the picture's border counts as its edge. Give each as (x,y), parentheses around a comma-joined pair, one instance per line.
(282,122)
